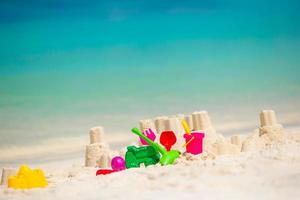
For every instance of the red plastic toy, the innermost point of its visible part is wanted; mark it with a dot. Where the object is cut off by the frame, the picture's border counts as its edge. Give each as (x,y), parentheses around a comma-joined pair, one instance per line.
(105,171)
(167,139)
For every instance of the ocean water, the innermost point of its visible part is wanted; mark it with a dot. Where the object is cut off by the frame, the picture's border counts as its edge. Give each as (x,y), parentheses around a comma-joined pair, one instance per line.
(67,66)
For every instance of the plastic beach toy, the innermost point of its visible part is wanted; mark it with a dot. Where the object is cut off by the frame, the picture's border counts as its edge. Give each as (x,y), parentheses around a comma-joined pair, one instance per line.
(118,163)
(167,139)
(186,127)
(168,157)
(104,171)
(150,134)
(137,155)
(27,179)
(194,142)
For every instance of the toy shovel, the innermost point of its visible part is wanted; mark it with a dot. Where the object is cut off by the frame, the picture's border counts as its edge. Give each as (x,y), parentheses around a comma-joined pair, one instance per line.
(168,157)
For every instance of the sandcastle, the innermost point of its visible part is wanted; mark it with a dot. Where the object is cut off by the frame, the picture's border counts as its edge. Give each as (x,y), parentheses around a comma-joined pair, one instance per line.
(214,143)
(268,132)
(268,123)
(197,121)
(97,152)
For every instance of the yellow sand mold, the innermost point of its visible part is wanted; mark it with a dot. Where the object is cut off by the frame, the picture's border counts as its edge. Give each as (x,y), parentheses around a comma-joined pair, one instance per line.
(27,179)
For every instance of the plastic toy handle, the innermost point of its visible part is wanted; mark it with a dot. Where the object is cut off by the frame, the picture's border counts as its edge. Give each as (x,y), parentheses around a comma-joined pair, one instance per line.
(150,142)
(186,127)
(188,142)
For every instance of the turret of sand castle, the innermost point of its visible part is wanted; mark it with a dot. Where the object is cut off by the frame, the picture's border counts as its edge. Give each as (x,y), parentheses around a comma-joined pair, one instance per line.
(160,124)
(97,152)
(202,122)
(268,123)
(268,132)
(147,123)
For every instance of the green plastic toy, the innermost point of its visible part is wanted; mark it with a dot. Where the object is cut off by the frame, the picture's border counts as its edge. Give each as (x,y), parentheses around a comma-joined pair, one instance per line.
(145,154)
(168,157)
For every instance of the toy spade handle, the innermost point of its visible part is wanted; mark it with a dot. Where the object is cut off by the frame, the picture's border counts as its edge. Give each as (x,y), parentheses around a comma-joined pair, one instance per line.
(150,142)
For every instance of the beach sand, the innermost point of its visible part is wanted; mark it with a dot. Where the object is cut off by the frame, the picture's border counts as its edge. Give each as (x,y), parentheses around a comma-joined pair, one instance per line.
(269,173)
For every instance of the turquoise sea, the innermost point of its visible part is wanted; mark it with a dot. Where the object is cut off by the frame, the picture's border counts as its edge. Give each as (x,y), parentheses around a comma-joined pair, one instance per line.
(66,66)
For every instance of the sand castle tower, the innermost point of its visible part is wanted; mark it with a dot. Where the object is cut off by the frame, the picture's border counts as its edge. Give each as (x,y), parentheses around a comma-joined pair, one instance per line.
(201,121)
(97,152)
(268,123)
(147,123)
(160,124)
(268,132)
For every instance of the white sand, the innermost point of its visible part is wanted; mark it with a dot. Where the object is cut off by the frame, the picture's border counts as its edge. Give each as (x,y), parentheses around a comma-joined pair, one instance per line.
(271,173)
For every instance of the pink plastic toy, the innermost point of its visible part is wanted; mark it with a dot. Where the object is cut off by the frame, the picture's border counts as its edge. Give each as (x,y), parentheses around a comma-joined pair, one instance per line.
(149,134)
(194,142)
(118,163)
